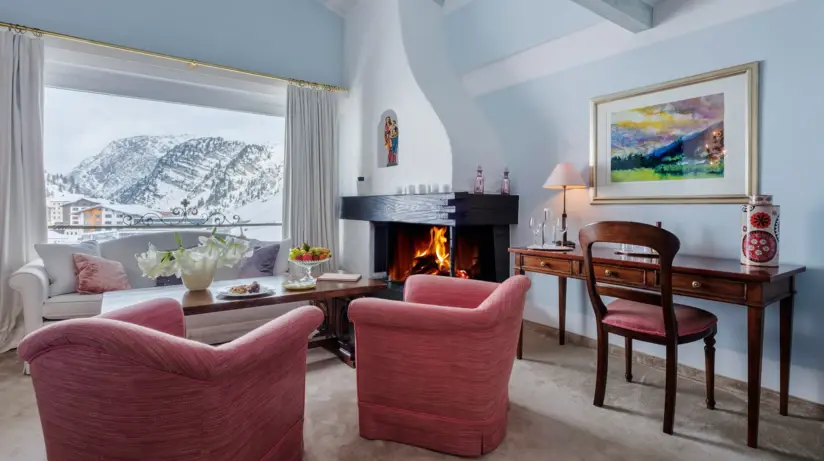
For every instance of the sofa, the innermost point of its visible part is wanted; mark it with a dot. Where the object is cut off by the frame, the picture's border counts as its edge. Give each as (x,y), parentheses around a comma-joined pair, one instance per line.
(32,282)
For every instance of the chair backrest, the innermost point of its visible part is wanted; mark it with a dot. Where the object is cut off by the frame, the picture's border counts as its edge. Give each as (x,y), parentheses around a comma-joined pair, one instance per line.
(665,243)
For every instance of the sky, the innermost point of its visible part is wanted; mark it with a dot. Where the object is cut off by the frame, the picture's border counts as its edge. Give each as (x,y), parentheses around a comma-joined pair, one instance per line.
(79,125)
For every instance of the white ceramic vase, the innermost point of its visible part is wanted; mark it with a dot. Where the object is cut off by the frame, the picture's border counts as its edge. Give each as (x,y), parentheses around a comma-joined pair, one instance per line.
(200,275)
(760,231)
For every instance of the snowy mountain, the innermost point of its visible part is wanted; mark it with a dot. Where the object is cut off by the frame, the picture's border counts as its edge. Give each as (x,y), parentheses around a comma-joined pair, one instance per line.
(123,162)
(213,173)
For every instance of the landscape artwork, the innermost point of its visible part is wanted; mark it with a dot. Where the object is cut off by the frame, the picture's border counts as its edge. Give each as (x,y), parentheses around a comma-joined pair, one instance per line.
(676,140)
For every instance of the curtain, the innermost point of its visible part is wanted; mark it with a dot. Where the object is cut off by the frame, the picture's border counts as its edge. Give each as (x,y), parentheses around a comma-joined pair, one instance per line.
(22,178)
(310,170)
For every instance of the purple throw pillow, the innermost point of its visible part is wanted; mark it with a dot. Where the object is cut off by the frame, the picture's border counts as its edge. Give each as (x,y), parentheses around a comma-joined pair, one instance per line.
(261,263)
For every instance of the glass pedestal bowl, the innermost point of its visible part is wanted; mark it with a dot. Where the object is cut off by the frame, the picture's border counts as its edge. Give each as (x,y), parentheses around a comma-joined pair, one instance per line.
(307,281)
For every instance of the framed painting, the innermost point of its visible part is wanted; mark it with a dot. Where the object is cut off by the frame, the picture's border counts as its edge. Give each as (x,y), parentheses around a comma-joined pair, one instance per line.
(693,140)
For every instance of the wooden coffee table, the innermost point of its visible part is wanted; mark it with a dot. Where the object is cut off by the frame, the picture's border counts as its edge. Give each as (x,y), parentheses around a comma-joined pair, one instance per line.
(331,297)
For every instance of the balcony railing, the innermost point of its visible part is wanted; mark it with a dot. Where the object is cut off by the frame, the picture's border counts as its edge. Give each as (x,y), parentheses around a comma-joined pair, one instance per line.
(179,218)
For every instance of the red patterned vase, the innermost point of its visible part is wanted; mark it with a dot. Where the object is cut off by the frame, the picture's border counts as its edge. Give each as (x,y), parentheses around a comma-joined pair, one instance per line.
(759,232)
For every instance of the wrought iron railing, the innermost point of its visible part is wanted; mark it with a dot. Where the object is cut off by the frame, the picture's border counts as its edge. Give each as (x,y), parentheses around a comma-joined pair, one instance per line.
(182,217)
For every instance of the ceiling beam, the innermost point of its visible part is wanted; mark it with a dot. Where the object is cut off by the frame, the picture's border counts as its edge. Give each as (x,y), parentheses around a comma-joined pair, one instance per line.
(632,15)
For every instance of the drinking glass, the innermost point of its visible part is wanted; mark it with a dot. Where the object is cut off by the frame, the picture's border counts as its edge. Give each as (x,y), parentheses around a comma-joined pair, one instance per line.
(558,231)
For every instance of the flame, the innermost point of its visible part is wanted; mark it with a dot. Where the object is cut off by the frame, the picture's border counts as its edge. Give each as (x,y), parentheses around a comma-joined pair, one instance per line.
(437,248)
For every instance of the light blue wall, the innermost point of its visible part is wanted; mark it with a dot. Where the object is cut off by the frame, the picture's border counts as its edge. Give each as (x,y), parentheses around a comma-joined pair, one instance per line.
(291,38)
(488,30)
(546,121)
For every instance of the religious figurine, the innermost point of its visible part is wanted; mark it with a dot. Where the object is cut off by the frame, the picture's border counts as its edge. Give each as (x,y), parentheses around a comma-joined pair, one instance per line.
(390,141)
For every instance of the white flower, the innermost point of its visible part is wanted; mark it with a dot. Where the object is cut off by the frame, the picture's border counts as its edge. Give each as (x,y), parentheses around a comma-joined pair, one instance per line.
(211,250)
(155,263)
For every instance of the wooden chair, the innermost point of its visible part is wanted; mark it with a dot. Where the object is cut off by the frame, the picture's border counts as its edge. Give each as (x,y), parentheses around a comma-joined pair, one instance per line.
(646,316)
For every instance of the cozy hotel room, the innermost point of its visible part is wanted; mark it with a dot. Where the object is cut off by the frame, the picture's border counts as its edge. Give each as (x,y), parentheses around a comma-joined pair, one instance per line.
(351,230)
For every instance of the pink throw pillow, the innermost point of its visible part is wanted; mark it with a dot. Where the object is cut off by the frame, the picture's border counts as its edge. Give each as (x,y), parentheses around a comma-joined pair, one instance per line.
(99,275)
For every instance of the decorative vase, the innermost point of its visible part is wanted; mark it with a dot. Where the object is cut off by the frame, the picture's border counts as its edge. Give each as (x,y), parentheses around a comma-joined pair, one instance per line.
(760,231)
(200,275)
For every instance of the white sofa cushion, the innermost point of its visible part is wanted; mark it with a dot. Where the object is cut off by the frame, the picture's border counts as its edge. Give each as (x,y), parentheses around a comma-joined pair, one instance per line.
(72,305)
(59,264)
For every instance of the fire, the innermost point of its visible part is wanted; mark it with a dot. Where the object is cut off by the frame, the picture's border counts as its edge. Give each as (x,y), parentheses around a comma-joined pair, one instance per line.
(433,257)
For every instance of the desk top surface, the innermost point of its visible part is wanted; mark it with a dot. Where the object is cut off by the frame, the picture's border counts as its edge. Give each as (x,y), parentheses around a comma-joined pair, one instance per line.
(721,267)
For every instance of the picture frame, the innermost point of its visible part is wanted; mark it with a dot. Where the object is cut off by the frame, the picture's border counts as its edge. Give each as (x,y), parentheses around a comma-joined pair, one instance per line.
(690,140)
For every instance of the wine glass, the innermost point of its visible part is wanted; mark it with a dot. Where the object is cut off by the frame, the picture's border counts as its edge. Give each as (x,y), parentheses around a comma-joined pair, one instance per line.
(536,223)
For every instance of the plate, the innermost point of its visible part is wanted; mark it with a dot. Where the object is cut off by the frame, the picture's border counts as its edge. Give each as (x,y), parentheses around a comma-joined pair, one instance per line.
(264,291)
(298,285)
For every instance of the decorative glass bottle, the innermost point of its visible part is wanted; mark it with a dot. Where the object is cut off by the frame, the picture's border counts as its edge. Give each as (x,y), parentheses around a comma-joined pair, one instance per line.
(759,232)
(479,181)
(505,182)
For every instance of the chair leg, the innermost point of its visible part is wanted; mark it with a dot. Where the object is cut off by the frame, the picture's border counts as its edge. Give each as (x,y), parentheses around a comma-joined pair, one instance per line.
(628,358)
(603,362)
(671,387)
(709,355)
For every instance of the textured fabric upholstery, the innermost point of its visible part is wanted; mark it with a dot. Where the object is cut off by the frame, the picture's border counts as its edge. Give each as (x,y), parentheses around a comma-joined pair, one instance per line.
(646,318)
(127,386)
(436,375)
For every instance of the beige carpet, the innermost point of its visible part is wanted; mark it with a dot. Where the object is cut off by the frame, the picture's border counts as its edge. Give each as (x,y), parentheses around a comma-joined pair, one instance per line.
(552,416)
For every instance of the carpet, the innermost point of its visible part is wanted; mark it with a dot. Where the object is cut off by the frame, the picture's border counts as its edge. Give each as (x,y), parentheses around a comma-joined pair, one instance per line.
(551,417)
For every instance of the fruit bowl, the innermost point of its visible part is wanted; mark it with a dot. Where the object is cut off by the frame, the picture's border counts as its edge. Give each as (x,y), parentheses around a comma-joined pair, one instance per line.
(308,258)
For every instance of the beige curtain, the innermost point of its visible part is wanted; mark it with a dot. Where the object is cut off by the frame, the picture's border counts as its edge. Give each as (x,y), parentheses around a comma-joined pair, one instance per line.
(310,169)
(22,180)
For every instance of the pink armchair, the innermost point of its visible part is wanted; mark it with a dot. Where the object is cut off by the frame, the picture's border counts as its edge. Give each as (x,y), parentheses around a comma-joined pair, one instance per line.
(433,371)
(128,386)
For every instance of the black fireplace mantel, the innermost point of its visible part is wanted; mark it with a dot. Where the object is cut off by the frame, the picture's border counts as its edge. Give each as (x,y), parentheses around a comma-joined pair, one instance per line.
(450,209)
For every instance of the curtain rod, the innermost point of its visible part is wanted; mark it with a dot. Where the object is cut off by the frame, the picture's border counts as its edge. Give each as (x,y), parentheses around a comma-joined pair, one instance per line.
(190,62)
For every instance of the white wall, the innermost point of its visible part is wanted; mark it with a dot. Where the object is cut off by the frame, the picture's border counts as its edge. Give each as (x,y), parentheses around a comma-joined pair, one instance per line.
(379,77)
(473,139)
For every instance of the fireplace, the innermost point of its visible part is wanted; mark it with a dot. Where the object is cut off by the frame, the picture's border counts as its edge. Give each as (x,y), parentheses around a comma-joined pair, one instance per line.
(436,250)
(456,235)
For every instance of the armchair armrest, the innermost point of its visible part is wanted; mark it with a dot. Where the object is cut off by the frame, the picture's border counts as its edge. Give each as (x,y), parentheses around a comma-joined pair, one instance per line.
(32,282)
(447,291)
(271,342)
(417,316)
(163,315)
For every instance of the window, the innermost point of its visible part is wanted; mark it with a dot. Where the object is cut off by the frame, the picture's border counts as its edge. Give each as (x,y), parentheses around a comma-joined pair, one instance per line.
(129,135)
(146,158)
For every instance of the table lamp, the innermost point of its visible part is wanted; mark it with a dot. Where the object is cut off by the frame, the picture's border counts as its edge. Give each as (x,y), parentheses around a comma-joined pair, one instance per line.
(565,176)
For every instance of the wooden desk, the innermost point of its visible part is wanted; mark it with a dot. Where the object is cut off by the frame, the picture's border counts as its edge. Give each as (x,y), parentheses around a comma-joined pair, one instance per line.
(723,280)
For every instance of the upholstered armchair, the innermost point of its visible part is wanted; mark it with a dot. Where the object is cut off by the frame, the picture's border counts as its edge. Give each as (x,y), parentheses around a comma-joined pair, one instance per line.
(129,386)
(433,371)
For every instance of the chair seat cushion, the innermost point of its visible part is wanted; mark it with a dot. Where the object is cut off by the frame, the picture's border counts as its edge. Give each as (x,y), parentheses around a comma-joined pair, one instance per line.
(647,318)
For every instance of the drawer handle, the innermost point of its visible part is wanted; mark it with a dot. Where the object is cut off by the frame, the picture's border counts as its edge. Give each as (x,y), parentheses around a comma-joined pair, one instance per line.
(543,263)
(696,284)
(610,273)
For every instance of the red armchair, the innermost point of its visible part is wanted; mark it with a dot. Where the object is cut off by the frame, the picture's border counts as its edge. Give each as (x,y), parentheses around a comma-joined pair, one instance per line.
(128,386)
(433,371)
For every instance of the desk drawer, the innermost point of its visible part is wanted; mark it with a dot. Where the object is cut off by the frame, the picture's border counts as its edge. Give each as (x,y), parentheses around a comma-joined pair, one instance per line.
(556,266)
(708,287)
(621,275)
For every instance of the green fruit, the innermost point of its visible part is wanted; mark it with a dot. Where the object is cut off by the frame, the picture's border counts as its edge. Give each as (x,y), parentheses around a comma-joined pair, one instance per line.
(306,247)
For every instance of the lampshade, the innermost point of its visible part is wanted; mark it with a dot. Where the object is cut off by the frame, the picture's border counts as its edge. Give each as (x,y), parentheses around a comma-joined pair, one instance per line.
(565,175)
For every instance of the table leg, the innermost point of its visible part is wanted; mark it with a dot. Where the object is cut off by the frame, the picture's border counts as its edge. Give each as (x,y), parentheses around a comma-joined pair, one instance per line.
(755,351)
(786,346)
(562,295)
(520,353)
